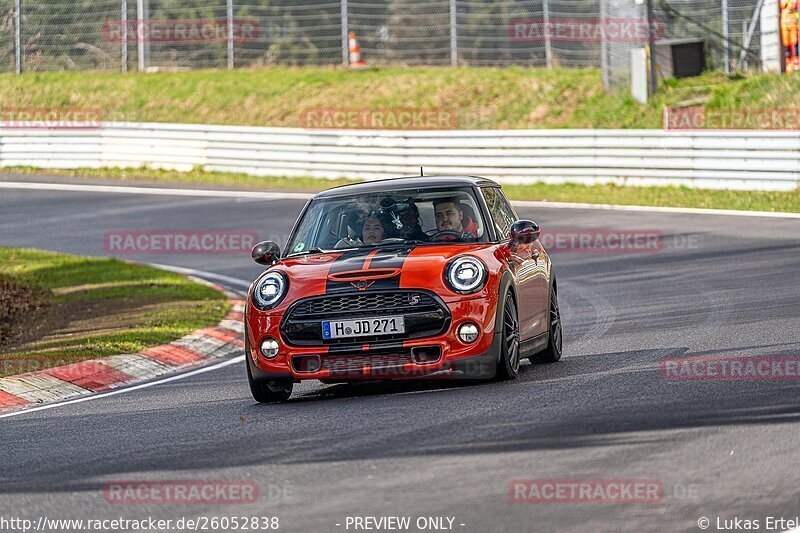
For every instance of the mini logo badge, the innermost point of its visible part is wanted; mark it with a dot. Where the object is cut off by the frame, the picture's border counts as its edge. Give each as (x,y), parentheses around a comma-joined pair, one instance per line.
(362,284)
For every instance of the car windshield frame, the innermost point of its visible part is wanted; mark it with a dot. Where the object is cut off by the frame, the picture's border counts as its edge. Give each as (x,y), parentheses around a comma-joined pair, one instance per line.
(472,191)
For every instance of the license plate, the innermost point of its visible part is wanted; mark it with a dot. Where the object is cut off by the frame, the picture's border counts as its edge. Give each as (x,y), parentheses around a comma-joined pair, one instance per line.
(364,327)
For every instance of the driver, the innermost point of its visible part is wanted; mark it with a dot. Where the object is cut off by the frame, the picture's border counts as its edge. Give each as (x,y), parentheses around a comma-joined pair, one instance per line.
(451,217)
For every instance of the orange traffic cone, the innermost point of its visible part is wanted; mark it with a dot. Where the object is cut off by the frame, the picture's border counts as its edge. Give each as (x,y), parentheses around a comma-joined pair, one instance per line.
(356,61)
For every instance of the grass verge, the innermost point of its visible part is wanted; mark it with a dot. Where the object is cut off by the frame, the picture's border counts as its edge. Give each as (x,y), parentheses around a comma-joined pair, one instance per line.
(787,202)
(99,307)
(771,201)
(479,98)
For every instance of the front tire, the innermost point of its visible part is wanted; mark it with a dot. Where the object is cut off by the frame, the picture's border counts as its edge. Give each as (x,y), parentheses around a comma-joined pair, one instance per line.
(552,353)
(508,366)
(263,390)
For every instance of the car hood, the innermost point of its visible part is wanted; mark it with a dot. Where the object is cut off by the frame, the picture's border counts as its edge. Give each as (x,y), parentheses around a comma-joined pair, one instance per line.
(369,269)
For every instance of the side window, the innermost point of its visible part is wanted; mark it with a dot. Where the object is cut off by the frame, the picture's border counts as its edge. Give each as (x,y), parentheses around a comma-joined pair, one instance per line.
(502,214)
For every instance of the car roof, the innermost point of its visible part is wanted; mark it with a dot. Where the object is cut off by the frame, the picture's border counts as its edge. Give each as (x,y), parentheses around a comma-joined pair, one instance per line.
(393,184)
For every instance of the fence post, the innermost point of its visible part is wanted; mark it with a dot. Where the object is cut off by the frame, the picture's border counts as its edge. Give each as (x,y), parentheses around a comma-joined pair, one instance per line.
(453,34)
(345,40)
(230,34)
(548,45)
(750,31)
(140,34)
(124,21)
(726,36)
(651,46)
(604,45)
(18,36)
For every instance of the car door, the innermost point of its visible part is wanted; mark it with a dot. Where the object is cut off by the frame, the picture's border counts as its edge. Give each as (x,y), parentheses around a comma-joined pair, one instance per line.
(530,270)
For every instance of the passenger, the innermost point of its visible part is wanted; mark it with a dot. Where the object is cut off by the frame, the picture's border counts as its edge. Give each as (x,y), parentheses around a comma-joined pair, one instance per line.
(412,226)
(372,232)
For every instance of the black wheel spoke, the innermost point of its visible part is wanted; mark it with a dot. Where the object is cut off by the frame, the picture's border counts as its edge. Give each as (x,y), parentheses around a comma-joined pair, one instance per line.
(511,335)
(555,324)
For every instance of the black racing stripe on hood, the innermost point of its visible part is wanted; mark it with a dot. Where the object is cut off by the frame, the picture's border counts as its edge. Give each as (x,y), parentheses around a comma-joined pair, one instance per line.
(347,261)
(356,259)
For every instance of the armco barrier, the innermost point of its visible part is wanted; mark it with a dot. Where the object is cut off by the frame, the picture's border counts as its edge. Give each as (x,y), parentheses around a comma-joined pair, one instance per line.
(750,160)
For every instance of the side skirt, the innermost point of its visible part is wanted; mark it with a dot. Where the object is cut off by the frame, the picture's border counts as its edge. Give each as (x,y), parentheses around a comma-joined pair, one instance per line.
(534,345)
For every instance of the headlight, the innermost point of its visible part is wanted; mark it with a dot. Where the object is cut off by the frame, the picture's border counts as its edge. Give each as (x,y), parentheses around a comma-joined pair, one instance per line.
(465,275)
(270,290)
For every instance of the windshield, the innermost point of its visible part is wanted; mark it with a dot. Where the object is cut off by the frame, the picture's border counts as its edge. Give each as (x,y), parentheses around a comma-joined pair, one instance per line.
(406,216)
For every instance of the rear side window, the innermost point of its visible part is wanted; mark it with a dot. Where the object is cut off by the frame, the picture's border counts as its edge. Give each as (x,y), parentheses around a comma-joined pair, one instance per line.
(503,215)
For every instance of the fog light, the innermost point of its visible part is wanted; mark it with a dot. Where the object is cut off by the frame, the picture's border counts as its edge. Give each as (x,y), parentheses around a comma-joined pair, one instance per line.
(269,348)
(468,333)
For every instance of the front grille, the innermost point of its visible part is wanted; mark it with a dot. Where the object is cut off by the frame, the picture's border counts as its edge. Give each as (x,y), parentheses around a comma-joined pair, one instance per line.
(362,304)
(423,312)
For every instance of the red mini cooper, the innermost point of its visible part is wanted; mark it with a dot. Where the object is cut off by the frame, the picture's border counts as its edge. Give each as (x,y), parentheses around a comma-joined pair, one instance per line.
(427,277)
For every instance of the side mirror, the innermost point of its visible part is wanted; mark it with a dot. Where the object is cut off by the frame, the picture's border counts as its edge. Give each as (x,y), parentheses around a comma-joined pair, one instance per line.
(524,232)
(266,253)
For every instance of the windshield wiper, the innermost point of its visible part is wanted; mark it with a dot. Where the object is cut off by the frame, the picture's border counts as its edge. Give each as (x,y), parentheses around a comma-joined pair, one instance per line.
(309,251)
(413,241)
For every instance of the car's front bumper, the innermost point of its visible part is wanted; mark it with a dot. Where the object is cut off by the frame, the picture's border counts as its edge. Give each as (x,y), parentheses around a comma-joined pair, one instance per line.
(389,360)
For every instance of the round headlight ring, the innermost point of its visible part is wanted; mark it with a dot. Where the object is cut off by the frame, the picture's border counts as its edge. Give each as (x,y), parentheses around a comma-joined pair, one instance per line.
(270,290)
(465,275)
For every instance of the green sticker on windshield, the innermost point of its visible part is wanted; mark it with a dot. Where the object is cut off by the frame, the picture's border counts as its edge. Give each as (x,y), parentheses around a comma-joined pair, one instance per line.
(299,247)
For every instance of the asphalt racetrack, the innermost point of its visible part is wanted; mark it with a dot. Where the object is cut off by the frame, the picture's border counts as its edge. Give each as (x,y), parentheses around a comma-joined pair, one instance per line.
(714,286)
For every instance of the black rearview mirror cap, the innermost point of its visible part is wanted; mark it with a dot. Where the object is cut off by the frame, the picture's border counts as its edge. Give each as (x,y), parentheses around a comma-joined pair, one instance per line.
(266,253)
(524,232)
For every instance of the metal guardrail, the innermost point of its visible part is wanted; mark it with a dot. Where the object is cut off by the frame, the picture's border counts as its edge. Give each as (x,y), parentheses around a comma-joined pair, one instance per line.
(748,160)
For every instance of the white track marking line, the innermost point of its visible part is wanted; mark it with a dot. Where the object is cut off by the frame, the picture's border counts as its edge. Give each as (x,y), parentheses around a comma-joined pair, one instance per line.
(124,189)
(125,390)
(153,191)
(203,274)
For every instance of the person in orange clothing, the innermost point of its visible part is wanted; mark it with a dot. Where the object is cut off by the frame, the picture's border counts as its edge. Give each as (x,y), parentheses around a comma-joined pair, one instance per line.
(789,31)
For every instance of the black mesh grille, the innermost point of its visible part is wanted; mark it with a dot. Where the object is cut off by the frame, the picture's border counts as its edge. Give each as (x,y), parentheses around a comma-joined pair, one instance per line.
(424,315)
(359,303)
